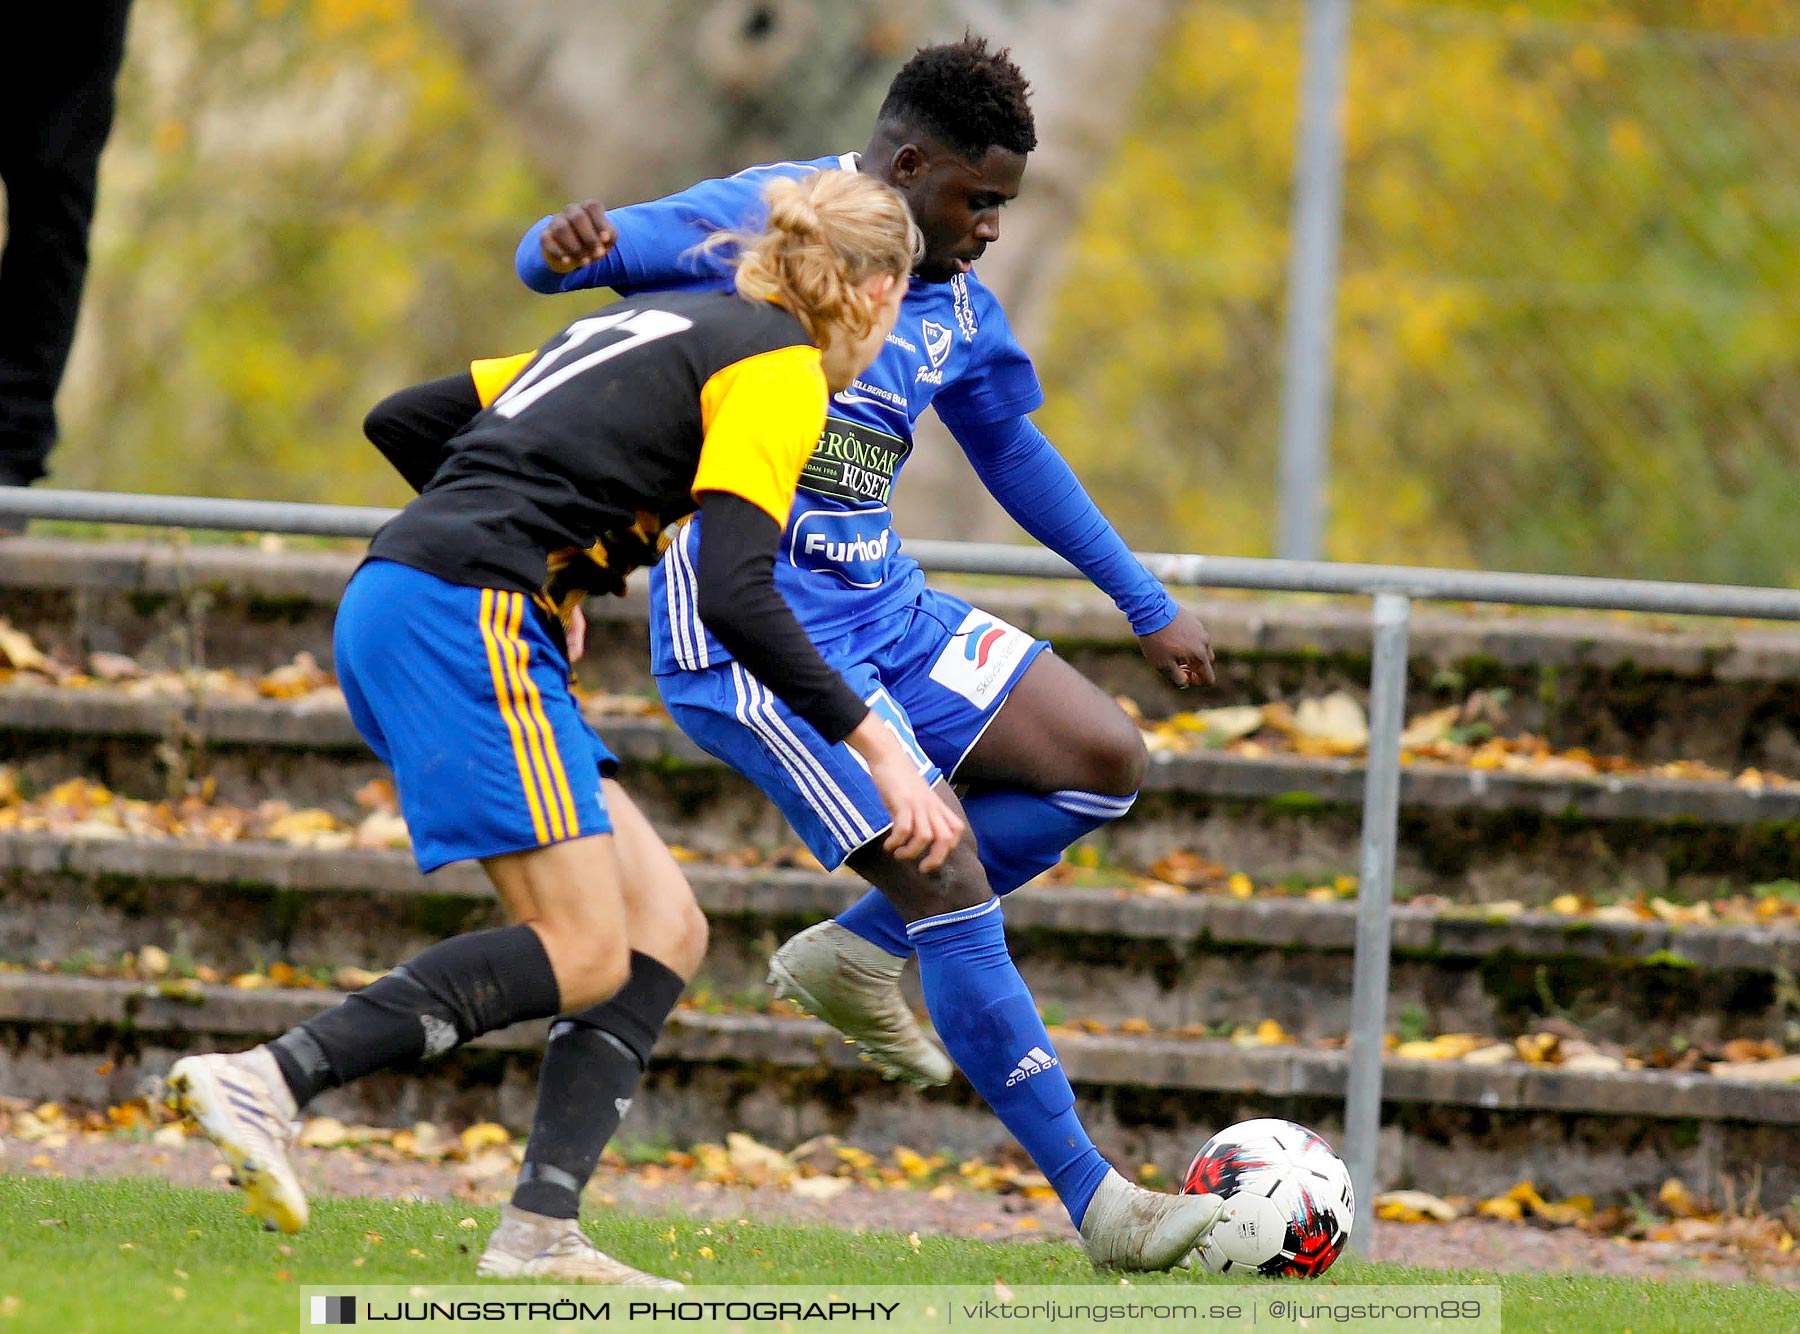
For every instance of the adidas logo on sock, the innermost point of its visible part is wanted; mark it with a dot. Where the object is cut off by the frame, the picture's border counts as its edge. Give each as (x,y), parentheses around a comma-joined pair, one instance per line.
(1033,1062)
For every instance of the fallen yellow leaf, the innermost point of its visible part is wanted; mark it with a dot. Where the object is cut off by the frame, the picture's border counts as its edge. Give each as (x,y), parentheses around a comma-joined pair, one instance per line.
(1508,1210)
(1430,728)
(1414,1206)
(1539,1048)
(1677,1199)
(484,1134)
(17,651)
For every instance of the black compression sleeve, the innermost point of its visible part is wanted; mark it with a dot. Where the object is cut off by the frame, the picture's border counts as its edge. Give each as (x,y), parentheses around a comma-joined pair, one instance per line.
(412,427)
(739,604)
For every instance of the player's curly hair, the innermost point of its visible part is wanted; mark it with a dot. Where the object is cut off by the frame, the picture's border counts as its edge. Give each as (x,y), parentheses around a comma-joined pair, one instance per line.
(967,96)
(826,234)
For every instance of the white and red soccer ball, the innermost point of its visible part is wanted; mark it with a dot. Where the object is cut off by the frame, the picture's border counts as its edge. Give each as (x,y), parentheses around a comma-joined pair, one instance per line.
(1288,1202)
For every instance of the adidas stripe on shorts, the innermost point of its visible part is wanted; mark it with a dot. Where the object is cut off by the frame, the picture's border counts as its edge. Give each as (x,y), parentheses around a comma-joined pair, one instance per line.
(463,693)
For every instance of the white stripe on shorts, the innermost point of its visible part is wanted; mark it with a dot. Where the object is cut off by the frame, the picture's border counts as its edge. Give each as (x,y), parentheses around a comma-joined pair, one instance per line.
(862,830)
(685,628)
(840,819)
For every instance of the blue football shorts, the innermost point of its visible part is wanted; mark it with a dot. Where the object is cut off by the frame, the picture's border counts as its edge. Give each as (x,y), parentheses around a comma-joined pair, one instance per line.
(935,671)
(463,693)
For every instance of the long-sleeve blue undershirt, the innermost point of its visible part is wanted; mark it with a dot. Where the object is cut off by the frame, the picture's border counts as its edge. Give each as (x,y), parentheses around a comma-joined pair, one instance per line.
(651,254)
(1035,485)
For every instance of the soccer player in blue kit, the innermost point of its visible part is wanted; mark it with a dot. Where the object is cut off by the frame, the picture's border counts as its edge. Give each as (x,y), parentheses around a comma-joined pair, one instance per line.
(1040,754)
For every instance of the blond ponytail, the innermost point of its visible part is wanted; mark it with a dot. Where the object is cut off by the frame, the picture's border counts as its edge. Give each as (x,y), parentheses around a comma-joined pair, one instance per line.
(827,233)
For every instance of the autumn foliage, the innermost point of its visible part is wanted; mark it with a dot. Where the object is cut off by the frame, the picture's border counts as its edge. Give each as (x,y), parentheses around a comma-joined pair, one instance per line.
(1569,302)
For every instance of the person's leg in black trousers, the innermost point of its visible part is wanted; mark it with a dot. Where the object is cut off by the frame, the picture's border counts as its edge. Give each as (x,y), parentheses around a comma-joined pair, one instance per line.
(56,102)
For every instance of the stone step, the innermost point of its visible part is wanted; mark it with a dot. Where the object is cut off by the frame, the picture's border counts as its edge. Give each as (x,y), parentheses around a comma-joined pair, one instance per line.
(1107,956)
(1468,833)
(1727,693)
(1448,1128)
(321,722)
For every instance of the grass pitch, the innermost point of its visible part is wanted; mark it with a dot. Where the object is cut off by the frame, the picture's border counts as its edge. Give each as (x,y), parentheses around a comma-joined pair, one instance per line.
(105,1255)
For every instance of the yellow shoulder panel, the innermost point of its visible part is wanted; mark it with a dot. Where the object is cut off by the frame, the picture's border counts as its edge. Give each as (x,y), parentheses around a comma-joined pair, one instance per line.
(493,374)
(762,417)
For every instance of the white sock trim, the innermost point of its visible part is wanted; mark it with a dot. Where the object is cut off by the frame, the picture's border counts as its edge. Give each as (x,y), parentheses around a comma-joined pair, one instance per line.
(1095,805)
(924,924)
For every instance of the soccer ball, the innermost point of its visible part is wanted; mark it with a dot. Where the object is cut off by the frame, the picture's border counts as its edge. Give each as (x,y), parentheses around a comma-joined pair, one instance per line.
(1288,1202)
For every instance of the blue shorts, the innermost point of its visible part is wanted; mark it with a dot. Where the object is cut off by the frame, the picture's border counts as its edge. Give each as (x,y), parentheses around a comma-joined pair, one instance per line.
(936,671)
(465,696)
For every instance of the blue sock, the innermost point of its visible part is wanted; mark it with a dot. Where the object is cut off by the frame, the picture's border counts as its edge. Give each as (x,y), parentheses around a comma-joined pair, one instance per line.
(990,1026)
(1018,836)
(875,919)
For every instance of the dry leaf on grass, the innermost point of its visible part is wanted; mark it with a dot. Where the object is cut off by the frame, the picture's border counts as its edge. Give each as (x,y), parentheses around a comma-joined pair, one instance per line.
(1415,1206)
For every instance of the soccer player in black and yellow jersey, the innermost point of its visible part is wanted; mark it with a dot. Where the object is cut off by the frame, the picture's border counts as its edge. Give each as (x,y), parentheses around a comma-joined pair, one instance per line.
(449,648)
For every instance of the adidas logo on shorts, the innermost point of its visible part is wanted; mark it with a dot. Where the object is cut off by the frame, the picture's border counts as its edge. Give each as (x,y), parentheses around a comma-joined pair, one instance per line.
(1035,1061)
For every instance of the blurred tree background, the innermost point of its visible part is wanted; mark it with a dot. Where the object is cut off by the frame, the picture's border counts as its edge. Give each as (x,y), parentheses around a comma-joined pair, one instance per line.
(306,204)
(1569,312)
(1569,318)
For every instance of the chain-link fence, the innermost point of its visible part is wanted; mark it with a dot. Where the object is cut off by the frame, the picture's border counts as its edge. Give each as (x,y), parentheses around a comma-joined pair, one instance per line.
(1568,309)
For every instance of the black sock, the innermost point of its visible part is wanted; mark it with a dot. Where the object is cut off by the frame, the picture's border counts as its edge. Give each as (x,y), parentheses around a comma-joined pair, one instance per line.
(455,991)
(591,1070)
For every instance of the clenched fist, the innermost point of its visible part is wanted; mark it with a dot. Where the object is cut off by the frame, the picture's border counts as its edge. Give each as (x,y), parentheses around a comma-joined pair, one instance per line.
(578,235)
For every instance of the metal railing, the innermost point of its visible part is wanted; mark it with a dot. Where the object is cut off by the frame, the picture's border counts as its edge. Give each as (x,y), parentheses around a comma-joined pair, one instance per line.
(1393,587)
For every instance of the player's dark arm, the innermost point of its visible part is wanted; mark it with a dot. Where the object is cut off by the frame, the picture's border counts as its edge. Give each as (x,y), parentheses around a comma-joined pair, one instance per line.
(739,604)
(412,428)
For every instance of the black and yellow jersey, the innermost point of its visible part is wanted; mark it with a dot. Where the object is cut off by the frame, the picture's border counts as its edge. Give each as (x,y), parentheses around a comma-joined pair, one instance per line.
(586,450)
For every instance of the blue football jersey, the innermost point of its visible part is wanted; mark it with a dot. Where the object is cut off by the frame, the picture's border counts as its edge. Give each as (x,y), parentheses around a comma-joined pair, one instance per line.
(840,563)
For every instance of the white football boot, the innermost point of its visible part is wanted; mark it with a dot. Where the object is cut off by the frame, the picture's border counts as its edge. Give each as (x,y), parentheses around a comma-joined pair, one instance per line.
(231,1098)
(854,985)
(1128,1227)
(528,1245)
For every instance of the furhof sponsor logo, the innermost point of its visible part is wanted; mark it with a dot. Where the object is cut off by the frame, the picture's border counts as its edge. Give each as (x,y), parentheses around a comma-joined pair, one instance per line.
(937,347)
(334,1310)
(1033,1062)
(980,657)
(851,545)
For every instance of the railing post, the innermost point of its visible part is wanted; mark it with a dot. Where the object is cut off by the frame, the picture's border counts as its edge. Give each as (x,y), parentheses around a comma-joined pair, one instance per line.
(1375,900)
(1306,375)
